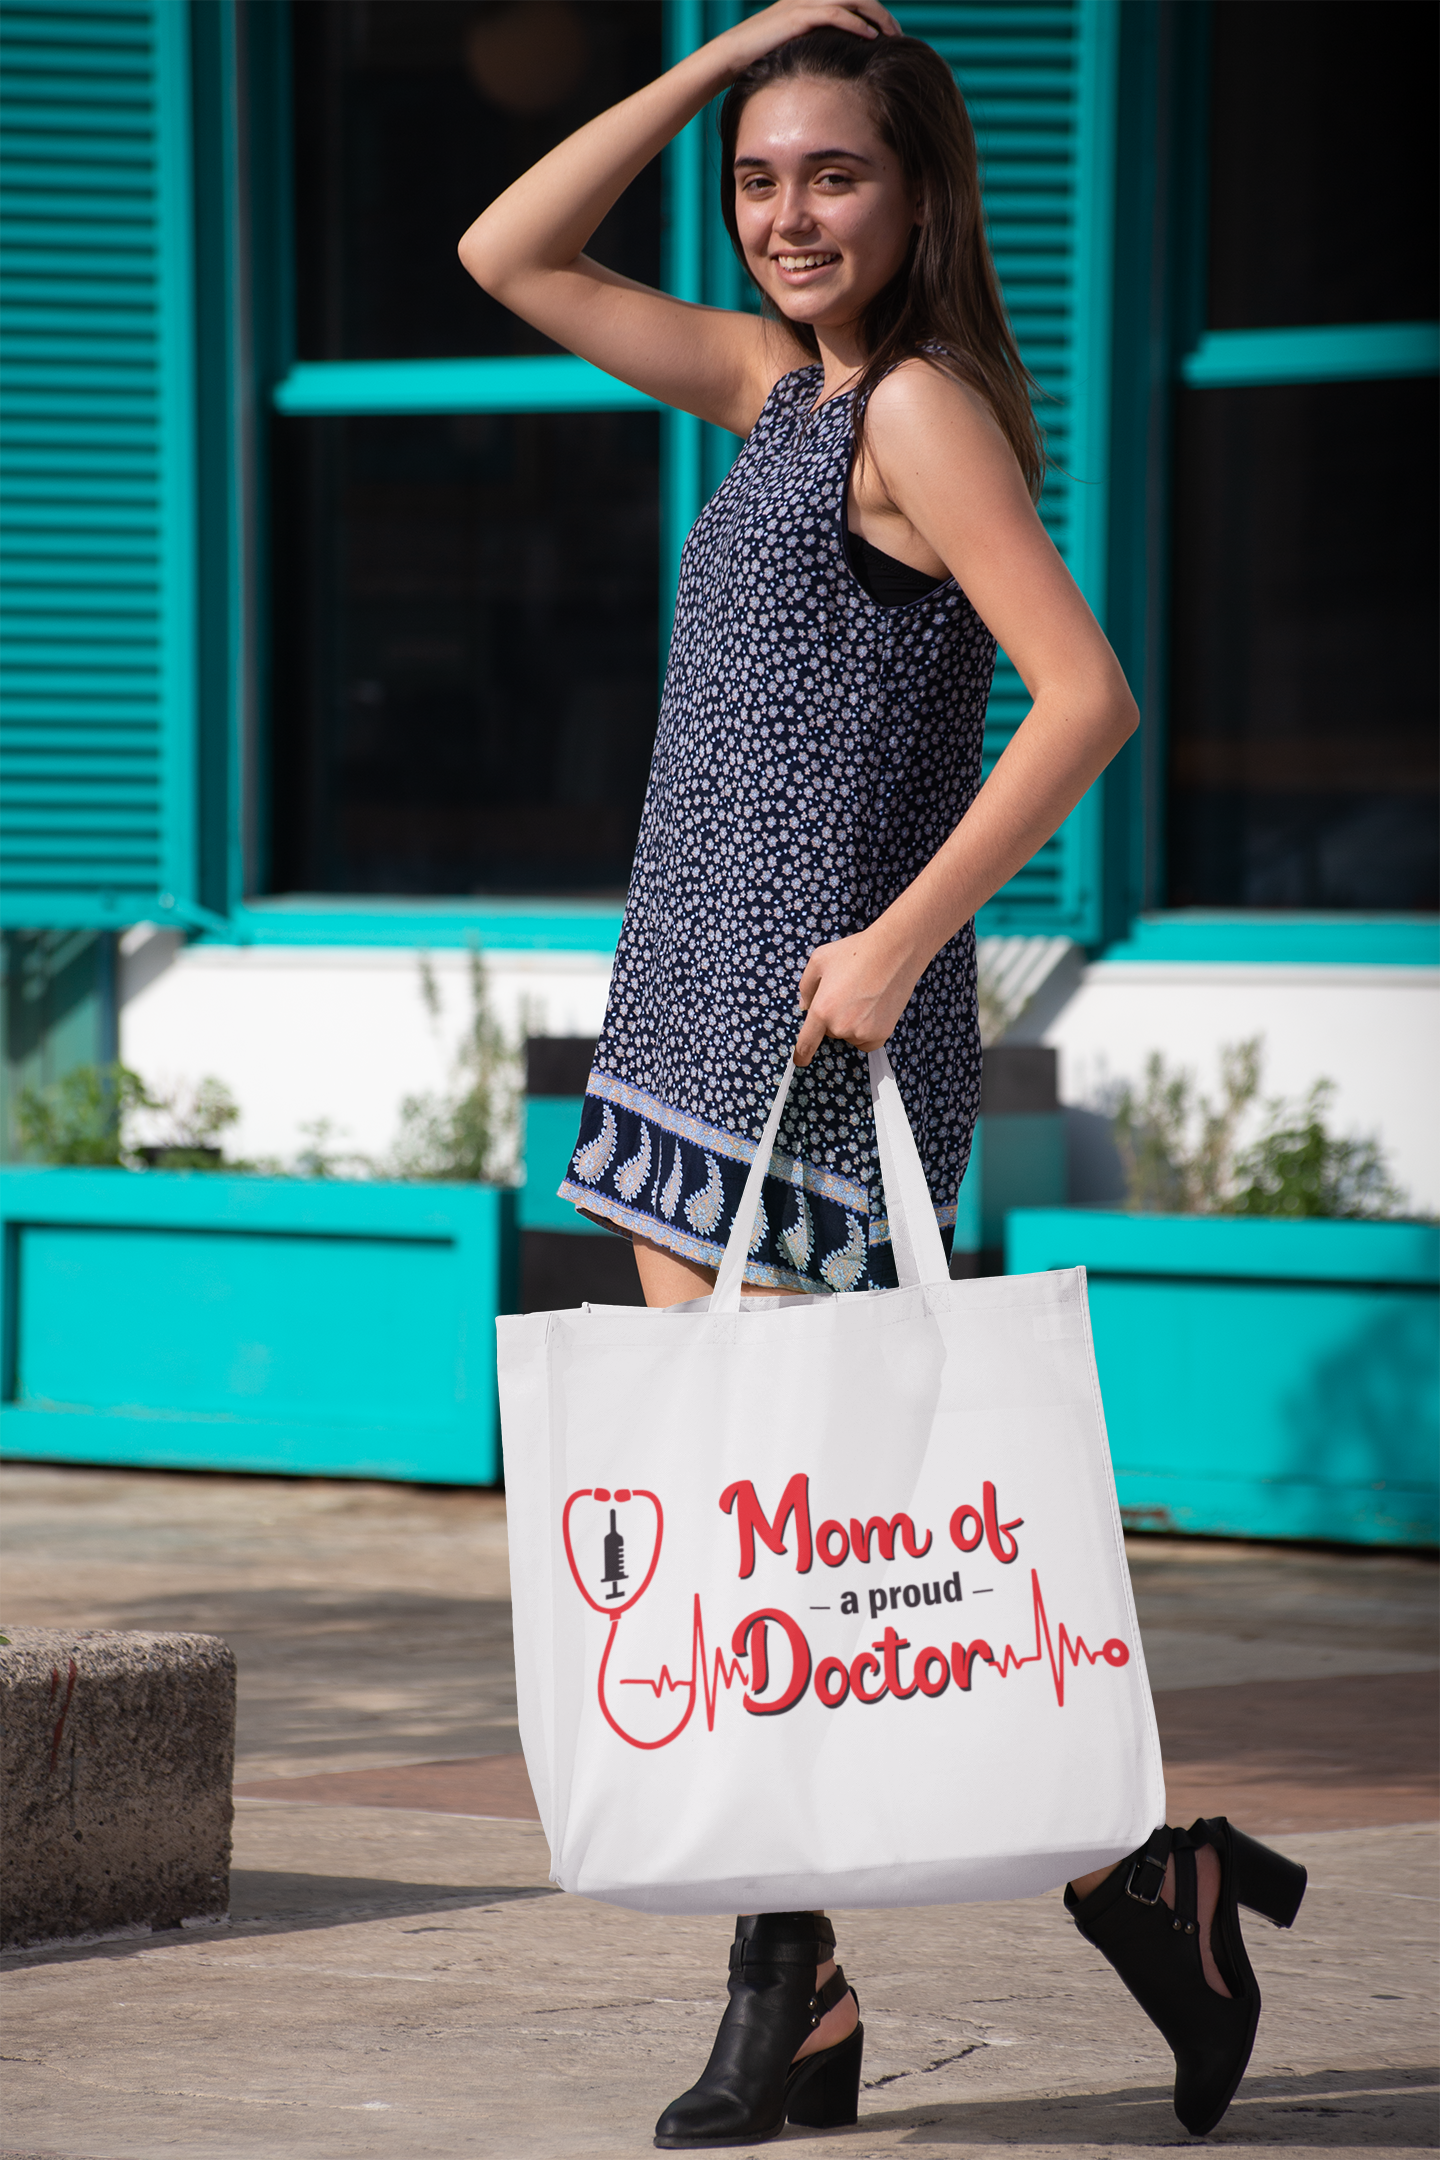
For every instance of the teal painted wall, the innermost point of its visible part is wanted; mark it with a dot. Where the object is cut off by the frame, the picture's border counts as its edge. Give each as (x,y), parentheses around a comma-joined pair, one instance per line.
(184,1320)
(1313,940)
(1260,1379)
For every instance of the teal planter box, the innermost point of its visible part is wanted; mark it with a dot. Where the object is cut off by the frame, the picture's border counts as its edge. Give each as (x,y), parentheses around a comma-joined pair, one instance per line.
(184,1320)
(552,1123)
(565,1260)
(1017,1153)
(1015,1161)
(1262,1379)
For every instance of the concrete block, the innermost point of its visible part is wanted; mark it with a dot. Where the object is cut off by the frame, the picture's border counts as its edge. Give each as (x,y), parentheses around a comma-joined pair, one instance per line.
(116,1758)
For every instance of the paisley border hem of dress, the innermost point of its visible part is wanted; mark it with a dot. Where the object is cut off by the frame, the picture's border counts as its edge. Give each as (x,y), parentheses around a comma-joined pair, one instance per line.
(610,1214)
(846,1192)
(686,1125)
(703,1252)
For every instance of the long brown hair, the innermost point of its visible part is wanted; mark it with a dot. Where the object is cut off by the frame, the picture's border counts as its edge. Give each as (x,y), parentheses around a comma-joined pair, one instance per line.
(944,302)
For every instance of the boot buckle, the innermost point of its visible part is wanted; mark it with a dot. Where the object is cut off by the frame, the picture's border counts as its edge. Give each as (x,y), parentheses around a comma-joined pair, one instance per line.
(1146,1860)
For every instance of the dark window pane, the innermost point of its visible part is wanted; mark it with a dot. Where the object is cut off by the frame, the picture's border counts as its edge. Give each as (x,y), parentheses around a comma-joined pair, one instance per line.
(465,672)
(1303,763)
(1323,180)
(412,115)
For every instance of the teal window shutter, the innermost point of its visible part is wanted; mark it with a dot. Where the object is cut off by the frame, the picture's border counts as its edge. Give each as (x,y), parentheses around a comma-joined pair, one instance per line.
(97,464)
(1039,79)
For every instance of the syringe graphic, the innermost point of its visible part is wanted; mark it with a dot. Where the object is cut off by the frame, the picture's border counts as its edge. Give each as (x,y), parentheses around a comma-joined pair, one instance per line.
(614,1569)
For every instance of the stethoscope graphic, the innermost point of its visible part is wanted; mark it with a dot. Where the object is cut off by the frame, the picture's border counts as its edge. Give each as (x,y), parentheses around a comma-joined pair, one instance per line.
(613,1573)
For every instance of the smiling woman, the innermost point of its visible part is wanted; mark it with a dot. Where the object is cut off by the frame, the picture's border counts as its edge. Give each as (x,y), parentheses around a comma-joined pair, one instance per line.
(878,532)
(900,211)
(815,839)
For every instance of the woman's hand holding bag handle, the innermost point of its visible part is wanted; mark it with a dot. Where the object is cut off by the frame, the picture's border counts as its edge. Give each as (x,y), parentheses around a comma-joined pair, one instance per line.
(919,1253)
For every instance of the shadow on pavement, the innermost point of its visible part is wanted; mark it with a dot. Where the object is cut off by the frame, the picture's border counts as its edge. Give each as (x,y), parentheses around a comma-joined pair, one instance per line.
(295,1900)
(489,1786)
(266,1903)
(1340,2108)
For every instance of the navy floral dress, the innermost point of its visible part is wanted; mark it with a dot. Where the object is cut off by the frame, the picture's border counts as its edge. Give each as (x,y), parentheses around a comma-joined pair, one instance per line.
(814,750)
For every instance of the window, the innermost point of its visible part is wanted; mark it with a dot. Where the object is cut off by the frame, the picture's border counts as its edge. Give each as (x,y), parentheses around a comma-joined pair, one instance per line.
(465,681)
(1302,755)
(326,575)
(482,724)
(410,116)
(1322,163)
(466,604)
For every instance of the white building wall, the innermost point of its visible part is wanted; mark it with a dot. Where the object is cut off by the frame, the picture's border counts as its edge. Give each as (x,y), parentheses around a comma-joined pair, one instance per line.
(301,1034)
(1373,1031)
(342,1034)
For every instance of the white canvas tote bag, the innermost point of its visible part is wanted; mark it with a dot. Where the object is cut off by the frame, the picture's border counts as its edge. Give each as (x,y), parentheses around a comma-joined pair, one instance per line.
(823,1601)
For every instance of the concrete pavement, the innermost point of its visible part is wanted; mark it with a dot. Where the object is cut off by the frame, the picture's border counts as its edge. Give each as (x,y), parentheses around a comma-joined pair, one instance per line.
(402,1980)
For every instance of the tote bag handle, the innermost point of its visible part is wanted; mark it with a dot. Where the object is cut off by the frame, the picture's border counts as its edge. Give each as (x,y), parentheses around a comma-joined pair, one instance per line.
(914,1232)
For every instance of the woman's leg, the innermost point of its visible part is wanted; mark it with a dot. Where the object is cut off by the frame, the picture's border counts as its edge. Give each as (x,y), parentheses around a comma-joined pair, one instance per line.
(1167,1919)
(666,1279)
(1207,1897)
(837,2024)
(771,2061)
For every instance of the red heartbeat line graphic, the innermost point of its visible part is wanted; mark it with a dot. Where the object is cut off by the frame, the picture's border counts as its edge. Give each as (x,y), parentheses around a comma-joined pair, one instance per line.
(707,1677)
(1114,1652)
(710,1682)
(722,1675)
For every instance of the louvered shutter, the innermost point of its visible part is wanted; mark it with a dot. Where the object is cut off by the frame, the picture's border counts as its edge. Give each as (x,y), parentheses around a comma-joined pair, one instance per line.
(97,463)
(1039,79)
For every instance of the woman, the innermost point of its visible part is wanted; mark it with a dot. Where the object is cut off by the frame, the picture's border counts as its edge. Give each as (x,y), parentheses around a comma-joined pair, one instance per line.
(815,827)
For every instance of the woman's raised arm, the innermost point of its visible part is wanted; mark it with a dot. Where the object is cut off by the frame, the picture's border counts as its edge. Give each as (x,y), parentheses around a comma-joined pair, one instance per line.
(527,248)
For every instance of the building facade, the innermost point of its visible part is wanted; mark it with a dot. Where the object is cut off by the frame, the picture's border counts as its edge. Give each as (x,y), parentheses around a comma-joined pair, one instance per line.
(336,599)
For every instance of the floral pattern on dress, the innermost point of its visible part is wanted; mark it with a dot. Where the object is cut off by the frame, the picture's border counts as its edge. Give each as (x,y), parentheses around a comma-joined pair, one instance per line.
(815,748)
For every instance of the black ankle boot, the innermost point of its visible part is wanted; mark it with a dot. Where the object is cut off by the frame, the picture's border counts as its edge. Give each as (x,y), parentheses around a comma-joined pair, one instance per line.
(752,2084)
(1157,1952)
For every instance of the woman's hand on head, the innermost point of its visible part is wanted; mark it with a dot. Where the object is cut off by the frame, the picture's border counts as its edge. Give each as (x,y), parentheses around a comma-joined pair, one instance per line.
(527,248)
(855,990)
(750,40)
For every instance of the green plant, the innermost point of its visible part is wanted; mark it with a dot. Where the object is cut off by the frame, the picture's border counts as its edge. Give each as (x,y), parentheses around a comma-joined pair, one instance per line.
(1296,1167)
(80,1118)
(196,1121)
(1177,1146)
(472,1130)
(88,1116)
(320,1160)
(1181,1151)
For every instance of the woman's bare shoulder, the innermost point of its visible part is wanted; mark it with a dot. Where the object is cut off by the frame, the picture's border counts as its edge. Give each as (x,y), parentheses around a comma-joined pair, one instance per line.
(921,392)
